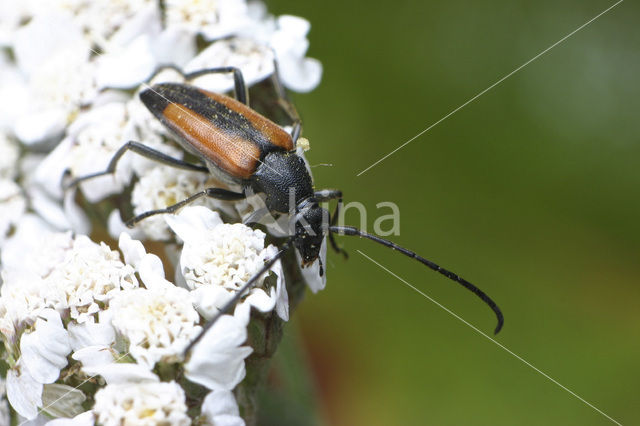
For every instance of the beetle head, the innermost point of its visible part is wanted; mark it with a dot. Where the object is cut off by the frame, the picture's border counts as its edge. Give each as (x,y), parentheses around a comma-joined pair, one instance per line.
(312,224)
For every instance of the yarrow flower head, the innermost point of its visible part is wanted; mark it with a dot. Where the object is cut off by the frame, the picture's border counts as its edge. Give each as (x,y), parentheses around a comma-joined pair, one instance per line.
(158,323)
(93,331)
(218,258)
(71,278)
(148,403)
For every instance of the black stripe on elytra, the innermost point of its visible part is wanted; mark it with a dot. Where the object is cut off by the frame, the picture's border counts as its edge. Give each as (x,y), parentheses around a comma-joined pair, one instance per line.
(222,118)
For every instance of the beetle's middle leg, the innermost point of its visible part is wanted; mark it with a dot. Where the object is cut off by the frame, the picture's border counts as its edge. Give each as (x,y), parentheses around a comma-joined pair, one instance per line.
(332,194)
(143,150)
(217,193)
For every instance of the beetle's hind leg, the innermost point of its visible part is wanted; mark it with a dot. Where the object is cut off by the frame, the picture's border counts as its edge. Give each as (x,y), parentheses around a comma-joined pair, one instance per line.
(164,67)
(240,89)
(286,104)
(327,195)
(239,86)
(217,193)
(142,150)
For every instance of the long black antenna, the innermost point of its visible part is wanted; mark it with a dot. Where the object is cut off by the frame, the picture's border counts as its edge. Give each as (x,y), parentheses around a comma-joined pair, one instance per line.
(350,230)
(239,294)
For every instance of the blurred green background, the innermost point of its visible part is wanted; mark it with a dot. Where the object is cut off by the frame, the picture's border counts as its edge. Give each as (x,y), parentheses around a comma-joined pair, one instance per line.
(530,191)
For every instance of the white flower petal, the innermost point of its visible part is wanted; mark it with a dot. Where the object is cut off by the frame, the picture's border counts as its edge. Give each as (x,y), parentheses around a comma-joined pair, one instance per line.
(300,75)
(116,226)
(24,392)
(84,419)
(294,26)
(132,250)
(190,222)
(78,220)
(49,173)
(13,88)
(12,207)
(12,15)
(90,334)
(44,351)
(116,373)
(174,46)
(34,236)
(279,293)
(221,409)
(53,32)
(243,313)
(261,301)
(128,67)
(228,420)
(212,18)
(96,189)
(287,37)
(209,299)
(144,21)
(60,75)
(149,266)
(40,126)
(217,361)
(93,357)
(49,209)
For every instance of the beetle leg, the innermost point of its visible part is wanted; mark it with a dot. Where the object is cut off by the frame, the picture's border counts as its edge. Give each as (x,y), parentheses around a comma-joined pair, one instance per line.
(327,194)
(332,194)
(144,151)
(161,68)
(334,220)
(217,193)
(286,104)
(240,88)
(295,132)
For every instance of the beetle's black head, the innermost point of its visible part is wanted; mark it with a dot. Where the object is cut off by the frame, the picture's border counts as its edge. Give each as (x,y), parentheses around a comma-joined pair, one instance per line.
(312,224)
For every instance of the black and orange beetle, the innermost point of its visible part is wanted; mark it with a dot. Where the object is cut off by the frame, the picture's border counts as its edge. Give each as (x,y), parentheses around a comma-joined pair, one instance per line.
(243,147)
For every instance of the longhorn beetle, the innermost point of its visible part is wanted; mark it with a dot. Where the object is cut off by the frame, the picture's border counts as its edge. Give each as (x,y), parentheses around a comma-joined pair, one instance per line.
(243,147)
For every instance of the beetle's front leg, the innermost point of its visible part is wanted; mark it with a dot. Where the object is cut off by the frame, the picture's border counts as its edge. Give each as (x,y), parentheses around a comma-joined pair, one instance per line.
(327,195)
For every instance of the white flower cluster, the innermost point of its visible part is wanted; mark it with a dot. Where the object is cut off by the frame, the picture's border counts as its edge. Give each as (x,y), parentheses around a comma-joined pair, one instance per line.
(147,403)
(74,311)
(75,65)
(80,299)
(218,258)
